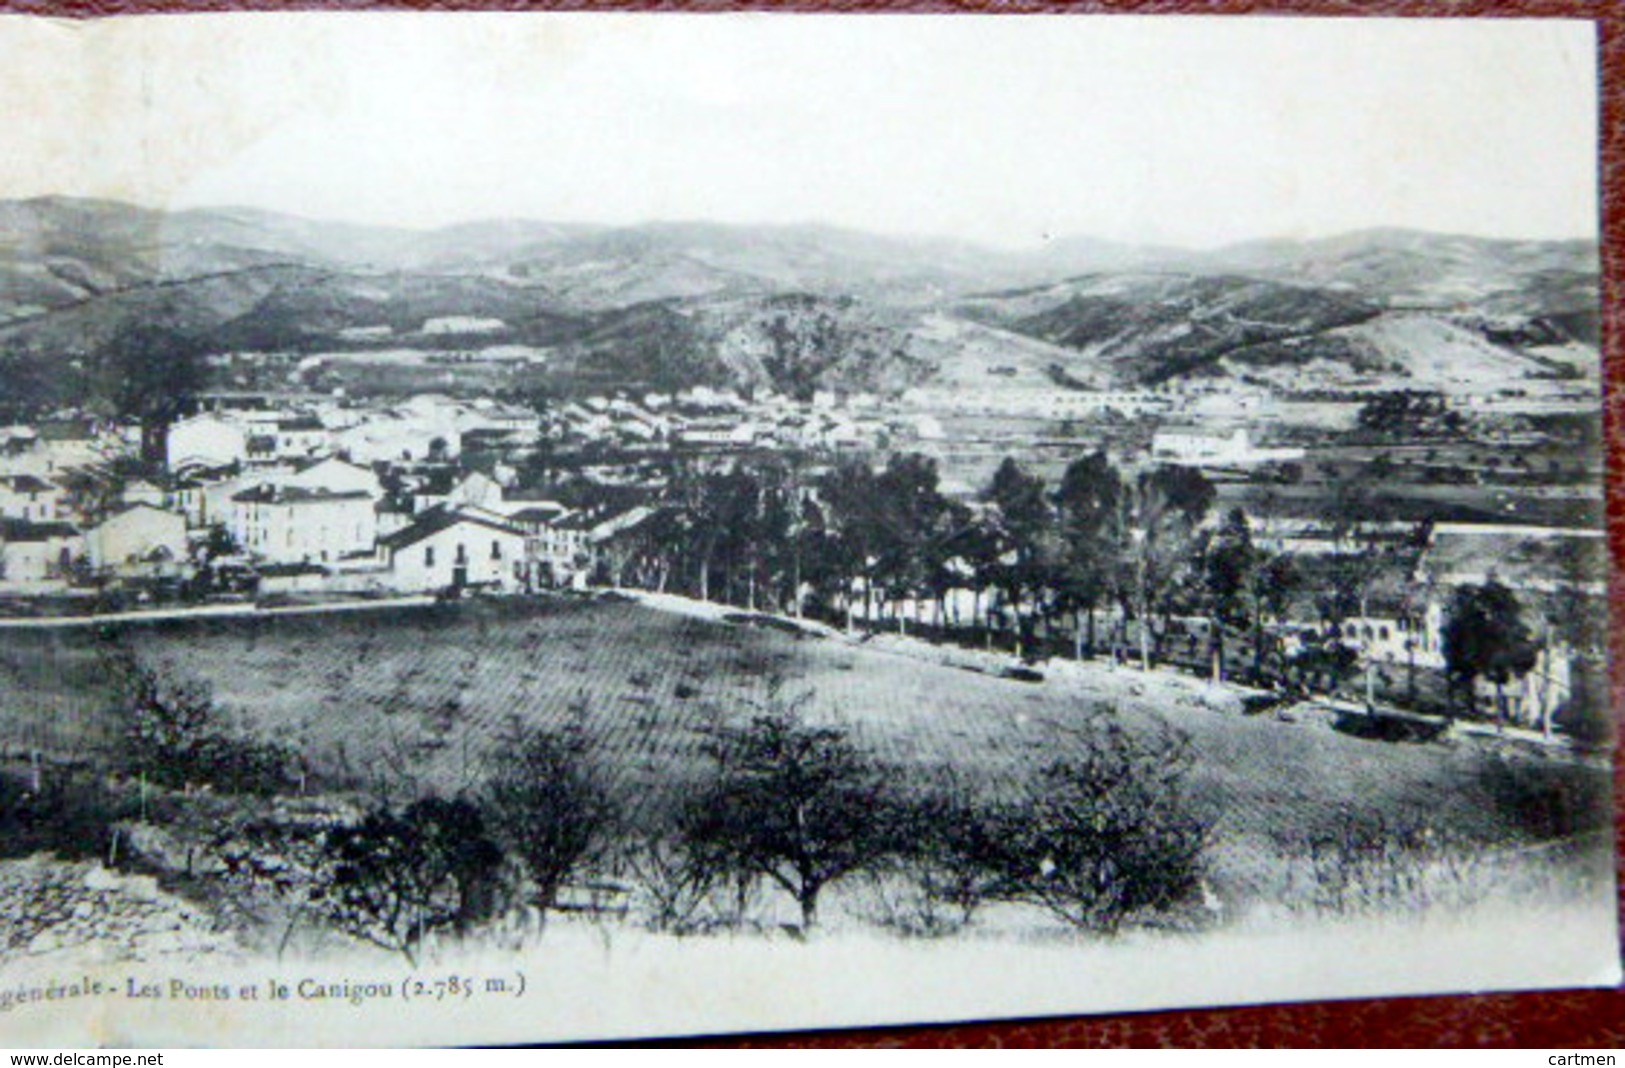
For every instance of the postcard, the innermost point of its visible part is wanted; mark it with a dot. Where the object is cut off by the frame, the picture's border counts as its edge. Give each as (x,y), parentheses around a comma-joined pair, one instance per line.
(540,527)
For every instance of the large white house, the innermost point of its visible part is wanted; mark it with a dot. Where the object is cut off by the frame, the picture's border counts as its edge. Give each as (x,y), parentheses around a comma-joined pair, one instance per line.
(453,550)
(205,441)
(293,524)
(1205,448)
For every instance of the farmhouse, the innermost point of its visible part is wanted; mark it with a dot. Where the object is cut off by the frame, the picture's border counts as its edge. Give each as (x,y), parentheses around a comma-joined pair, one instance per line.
(451,550)
(1399,639)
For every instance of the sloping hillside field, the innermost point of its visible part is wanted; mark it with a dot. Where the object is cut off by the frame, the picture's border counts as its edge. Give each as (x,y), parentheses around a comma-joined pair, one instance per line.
(416,701)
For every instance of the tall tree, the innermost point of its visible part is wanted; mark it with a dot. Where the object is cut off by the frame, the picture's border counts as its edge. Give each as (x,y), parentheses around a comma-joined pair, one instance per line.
(549,800)
(153,374)
(1229,565)
(1085,502)
(798,804)
(1485,637)
(914,522)
(1023,517)
(891,525)
(1156,529)
(849,494)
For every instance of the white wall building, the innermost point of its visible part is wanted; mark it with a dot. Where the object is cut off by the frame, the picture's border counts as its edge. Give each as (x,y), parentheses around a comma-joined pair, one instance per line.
(30,498)
(291,525)
(1203,448)
(332,475)
(140,535)
(207,440)
(447,549)
(37,557)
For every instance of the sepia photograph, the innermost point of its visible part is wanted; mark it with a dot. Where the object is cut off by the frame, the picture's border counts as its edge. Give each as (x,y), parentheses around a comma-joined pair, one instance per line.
(558,527)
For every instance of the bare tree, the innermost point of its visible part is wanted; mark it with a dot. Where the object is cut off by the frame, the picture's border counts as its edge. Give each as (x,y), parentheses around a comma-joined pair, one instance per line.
(798,804)
(551,803)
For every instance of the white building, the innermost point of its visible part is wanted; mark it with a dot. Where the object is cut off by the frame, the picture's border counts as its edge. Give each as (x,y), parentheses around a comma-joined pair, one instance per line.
(139,538)
(291,525)
(37,557)
(562,545)
(140,491)
(1397,639)
(29,498)
(477,490)
(462,324)
(400,436)
(451,550)
(301,437)
(332,475)
(1056,404)
(1203,448)
(207,440)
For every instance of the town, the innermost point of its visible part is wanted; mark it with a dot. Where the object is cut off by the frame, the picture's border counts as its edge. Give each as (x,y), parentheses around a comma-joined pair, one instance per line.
(1352,520)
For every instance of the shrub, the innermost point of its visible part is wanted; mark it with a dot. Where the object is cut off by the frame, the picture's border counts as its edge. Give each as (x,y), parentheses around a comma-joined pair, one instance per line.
(945,859)
(394,878)
(679,885)
(66,810)
(173,736)
(1107,834)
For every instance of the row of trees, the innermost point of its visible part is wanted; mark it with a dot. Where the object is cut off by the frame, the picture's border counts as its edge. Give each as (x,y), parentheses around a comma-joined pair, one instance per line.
(1141,549)
(855,542)
(1100,835)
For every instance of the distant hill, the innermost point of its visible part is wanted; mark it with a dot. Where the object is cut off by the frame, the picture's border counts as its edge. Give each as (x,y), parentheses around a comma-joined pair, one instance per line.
(1149,328)
(57,249)
(798,307)
(617,267)
(797,343)
(1442,272)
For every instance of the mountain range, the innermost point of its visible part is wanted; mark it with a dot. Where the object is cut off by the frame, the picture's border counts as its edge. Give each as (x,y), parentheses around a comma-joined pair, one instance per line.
(801,307)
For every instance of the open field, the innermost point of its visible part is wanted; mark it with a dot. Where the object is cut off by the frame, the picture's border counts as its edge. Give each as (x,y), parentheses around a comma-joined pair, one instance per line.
(416,700)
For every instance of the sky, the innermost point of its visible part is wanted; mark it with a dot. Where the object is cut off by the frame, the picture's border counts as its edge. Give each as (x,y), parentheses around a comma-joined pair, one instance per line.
(1008,131)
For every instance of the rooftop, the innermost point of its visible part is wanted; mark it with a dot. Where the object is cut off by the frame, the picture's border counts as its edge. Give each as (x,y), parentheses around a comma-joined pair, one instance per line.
(23,530)
(268,494)
(441,519)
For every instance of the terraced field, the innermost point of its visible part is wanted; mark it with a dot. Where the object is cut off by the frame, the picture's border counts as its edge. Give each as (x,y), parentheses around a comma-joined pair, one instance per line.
(417,700)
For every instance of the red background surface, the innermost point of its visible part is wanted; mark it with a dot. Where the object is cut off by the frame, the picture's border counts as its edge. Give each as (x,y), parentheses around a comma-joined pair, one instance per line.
(1562,1019)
